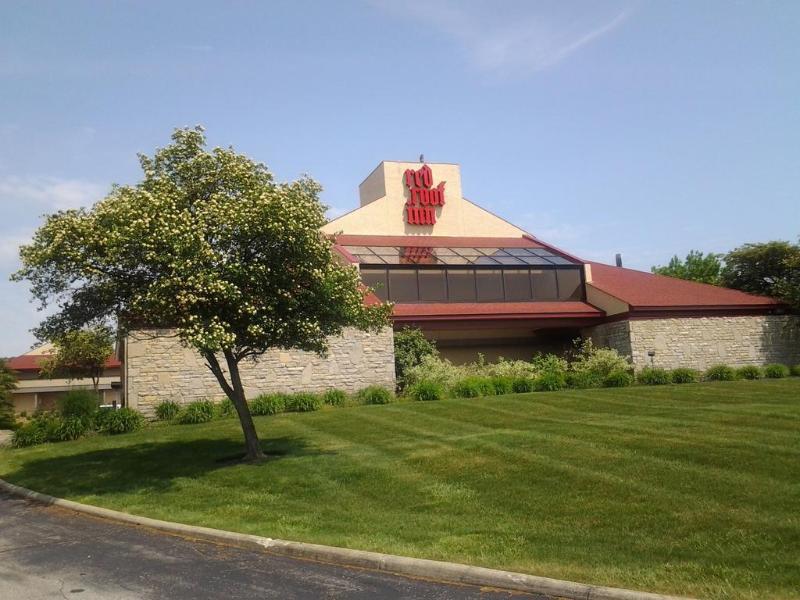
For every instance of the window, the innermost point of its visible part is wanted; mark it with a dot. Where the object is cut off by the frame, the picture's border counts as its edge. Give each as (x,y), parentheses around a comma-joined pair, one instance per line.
(403,285)
(517,284)
(376,279)
(432,285)
(489,284)
(569,284)
(461,285)
(544,284)
(425,283)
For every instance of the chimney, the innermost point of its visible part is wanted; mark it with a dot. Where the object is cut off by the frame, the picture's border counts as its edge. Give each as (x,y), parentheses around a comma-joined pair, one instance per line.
(618,259)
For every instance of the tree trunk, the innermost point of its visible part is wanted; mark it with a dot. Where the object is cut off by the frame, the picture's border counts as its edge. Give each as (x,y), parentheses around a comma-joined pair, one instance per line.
(235,392)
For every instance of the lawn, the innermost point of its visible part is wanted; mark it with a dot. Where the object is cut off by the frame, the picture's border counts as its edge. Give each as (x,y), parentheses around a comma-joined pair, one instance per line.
(690,489)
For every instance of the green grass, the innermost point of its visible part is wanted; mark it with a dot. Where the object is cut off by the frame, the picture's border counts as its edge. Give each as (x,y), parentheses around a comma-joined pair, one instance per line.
(690,490)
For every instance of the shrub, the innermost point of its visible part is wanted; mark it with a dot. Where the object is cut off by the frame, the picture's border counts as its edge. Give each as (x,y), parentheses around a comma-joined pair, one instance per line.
(69,428)
(29,434)
(749,372)
(426,391)
(440,370)
(473,387)
(374,394)
(521,385)
(225,408)
(167,410)
(83,404)
(268,404)
(654,376)
(199,411)
(776,371)
(123,420)
(592,364)
(410,347)
(303,402)
(511,369)
(720,373)
(795,371)
(549,381)
(502,384)
(334,397)
(618,379)
(684,375)
(549,363)
(581,380)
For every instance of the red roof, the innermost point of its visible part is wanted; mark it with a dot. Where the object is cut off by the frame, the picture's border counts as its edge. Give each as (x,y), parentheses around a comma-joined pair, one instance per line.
(643,290)
(494,310)
(32,362)
(435,241)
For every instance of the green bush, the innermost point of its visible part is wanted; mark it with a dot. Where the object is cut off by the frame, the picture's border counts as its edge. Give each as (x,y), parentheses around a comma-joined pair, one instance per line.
(654,376)
(426,391)
(473,387)
(720,373)
(581,380)
(410,348)
(374,394)
(749,372)
(83,404)
(167,410)
(303,402)
(684,375)
(549,381)
(522,385)
(199,411)
(796,371)
(334,397)
(618,379)
(440,370)
(70,428)
(591,365)
(123,420)
(268,404)
(225,408)
(502,384)
(776,371)
(29,434)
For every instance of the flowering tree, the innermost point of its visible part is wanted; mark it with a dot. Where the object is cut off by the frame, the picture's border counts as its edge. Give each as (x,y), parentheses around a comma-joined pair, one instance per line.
(210,245)
(79,354)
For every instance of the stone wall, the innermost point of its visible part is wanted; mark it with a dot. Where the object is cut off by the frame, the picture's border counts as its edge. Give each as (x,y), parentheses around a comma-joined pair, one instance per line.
(616,335)
(158,368)
(700,342)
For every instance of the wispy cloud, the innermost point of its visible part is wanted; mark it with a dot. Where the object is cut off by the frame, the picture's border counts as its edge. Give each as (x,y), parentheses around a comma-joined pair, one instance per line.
(50,192)
(505,38)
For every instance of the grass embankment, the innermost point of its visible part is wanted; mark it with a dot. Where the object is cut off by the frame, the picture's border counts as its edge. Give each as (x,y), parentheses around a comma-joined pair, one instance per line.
(690,489)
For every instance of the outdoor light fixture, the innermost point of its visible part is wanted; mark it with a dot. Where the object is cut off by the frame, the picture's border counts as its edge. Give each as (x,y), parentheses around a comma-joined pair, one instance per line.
(652,355)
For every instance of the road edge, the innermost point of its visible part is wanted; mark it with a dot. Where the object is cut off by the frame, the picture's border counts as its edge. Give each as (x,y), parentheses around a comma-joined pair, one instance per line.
(400,565)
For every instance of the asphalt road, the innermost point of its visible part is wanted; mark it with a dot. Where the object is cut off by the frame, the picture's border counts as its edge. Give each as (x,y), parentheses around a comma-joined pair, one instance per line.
(49,552)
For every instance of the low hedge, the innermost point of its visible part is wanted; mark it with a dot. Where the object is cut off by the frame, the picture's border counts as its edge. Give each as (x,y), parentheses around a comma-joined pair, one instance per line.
(618,379)
(776,371)
(426,391)
(374,394)
(334,397)
(303,402)
(684,375)
(749,372)
(268,404)
(654,376)
(167,410)
(199,411)
(720,373)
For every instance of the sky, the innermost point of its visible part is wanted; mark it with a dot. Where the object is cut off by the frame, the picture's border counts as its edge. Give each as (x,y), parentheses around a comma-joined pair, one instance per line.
(645,128)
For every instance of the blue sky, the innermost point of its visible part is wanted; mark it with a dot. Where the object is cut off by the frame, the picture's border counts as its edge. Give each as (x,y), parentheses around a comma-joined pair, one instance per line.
(647,128)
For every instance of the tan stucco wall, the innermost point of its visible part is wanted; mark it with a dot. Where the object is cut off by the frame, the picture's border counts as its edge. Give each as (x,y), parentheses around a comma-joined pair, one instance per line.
(159,368)
(383,198)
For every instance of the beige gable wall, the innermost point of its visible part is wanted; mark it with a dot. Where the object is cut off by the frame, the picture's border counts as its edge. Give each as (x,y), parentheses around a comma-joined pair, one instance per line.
(383,198)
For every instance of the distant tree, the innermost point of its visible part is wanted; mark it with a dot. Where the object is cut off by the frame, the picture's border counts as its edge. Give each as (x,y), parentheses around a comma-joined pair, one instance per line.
(410,347)
(704,268)
(80,354)
(208,244)
(8,382)
(769,269)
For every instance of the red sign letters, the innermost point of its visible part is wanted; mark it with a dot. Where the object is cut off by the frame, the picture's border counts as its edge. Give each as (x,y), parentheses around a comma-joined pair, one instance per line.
(423,198)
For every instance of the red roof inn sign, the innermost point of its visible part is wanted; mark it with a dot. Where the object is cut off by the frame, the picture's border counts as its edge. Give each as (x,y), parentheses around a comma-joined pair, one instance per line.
(423,198)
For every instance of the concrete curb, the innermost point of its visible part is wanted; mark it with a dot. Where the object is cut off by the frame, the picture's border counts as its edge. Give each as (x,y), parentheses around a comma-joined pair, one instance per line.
(401,565)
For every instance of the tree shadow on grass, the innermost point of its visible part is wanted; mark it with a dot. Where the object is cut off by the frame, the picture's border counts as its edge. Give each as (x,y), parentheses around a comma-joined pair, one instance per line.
(145,467)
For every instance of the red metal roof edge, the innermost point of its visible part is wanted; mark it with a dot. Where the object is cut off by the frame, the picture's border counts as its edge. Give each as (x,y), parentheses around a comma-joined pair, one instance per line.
(32,362)
(495,310)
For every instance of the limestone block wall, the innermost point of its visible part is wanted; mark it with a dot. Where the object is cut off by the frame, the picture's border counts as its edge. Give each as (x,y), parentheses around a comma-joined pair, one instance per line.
(616,335)
(158,368)
(700,342)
